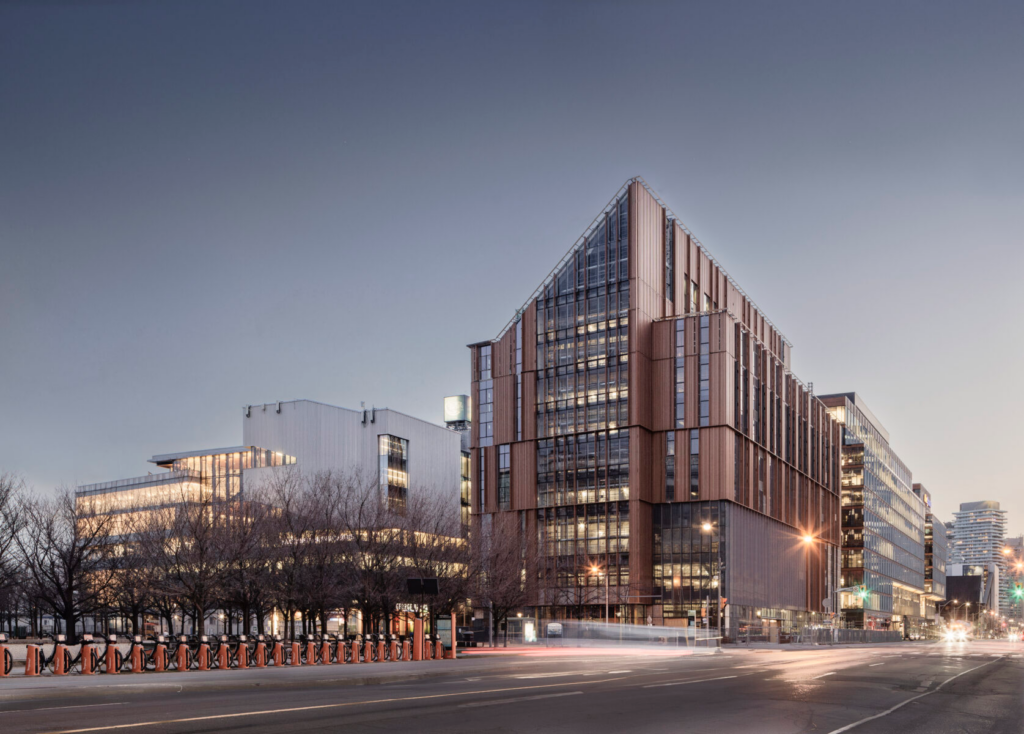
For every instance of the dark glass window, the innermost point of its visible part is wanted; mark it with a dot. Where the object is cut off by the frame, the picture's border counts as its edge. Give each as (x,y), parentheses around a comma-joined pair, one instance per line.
(504,478)
(670,466)
(694,464)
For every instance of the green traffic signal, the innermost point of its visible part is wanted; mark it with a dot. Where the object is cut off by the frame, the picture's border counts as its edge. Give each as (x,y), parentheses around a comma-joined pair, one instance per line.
(1018,591)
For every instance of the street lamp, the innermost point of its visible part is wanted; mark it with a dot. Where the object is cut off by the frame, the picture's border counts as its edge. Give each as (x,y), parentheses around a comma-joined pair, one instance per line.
(595,569)
(707,527)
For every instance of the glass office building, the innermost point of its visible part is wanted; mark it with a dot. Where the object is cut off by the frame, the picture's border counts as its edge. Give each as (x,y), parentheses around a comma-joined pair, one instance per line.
(883,524)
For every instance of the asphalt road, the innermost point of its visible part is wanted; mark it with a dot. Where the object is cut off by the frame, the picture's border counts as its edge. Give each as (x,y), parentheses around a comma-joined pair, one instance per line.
(938,688)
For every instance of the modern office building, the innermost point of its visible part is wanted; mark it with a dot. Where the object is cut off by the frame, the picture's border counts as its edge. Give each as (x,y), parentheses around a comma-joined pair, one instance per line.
(883,525)
(637,419)
(399,454)
(936,555)
(190,476)
(978,539)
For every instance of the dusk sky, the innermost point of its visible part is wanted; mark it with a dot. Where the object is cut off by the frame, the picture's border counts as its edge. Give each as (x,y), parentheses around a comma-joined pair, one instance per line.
(210,204)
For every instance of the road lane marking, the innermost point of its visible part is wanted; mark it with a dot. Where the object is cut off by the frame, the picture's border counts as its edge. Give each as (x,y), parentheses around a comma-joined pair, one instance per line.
(823,675)
(684,682)
(615,672)
(517,700)
(58,708)
(855,724)
(323,706)
(875,665)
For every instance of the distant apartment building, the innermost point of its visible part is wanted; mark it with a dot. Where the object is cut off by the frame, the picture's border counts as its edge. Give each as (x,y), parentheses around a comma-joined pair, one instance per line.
(978,540)
(936,554)
(883,525)
(394,452)
(638,421)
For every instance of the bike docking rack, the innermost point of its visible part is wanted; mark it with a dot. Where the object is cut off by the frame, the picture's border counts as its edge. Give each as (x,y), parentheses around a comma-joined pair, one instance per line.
(182,653)
(6,658)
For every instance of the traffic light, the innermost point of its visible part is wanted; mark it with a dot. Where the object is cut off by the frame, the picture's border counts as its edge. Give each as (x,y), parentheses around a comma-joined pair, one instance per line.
(862,592)
(1018,591)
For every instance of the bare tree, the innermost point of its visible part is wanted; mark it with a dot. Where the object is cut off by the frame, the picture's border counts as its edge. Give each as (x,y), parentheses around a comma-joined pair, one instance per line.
(290,526)
(66,548)
(436,548)
(249,532)
(375,544)
(506,564)
(195,553)
(12,523)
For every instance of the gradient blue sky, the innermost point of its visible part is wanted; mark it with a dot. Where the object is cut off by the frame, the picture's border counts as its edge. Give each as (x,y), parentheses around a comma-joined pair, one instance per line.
(204,205)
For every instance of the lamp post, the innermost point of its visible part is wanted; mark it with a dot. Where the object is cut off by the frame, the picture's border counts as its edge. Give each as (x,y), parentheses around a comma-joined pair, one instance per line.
(707,528)
(595,569)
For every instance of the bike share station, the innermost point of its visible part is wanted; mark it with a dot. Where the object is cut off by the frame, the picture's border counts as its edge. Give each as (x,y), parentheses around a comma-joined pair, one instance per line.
(182,653)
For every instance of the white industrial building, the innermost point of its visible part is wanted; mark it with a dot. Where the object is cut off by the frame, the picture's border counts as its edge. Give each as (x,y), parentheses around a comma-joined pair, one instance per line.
(400,454)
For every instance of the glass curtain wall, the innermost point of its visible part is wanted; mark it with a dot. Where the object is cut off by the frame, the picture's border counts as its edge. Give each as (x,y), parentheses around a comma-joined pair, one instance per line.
(581,412)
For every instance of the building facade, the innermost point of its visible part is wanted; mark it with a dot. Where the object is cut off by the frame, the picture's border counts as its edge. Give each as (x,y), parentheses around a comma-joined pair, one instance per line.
(397,453)
(936,555)
(638,421)
(883,526)
(979,536)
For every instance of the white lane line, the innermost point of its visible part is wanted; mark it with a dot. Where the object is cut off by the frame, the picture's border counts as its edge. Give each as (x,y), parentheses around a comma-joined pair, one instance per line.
(324,706)
(613,672)
(58,708)
(855,724)
(823,675)
(517,700)
(684,682)
(875,665)
(544,675)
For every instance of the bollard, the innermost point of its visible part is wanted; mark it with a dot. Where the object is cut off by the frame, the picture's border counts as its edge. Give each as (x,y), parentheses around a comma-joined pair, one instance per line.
(242,655)
(367,650)
(203,655)
(89,656)
(112,656)
(417,639)
(6,659)
(355,649)
(381,657)
(277,655)
(260,654)
(406,649)
(160,655)
(138,658)
(325,652)
(296,654)
(310,653)
(60,656)
(32,660)
(394,649)
(181,654)
(438,648)
(223,661)
(452,654)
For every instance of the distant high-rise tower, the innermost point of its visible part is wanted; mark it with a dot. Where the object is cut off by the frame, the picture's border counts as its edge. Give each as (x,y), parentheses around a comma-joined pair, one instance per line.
(978,538)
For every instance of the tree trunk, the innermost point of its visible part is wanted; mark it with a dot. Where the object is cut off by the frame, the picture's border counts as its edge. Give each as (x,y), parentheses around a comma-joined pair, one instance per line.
(69,624)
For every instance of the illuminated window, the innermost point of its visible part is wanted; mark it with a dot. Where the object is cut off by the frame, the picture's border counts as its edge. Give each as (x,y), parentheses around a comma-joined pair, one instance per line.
(394,470)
